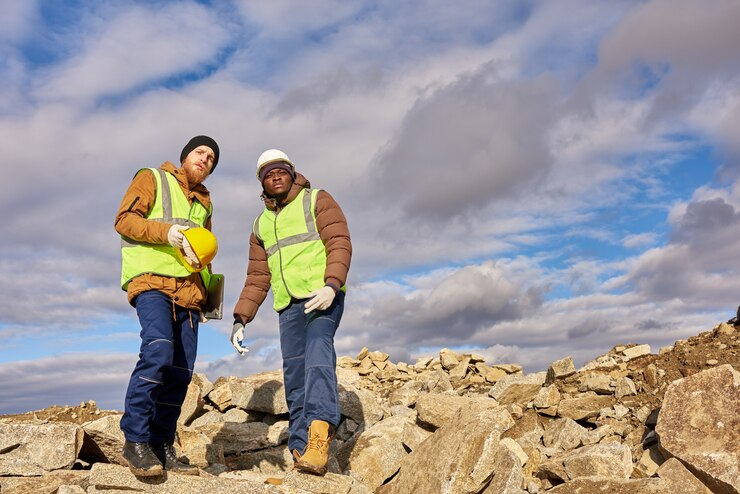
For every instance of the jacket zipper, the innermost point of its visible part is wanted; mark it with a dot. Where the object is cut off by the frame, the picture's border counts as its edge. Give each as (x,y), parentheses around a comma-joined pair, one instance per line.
(280,256)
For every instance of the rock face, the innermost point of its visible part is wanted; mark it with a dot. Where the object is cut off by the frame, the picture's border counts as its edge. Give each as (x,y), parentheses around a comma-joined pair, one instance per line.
(629,421)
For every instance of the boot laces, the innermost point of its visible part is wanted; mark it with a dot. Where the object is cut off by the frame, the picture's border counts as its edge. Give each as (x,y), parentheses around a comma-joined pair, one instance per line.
(317,443)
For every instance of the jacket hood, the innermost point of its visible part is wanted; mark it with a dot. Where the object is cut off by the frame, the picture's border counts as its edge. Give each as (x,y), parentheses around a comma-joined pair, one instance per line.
(299,183)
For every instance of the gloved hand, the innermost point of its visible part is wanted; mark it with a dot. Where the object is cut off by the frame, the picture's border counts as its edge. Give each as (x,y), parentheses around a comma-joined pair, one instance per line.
(189,253)
(237,336)
(175,236)
(202,319)
(321,299)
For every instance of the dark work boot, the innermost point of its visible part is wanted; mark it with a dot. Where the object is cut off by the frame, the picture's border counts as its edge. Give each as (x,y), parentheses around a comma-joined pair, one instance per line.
(141,460)
(167,455)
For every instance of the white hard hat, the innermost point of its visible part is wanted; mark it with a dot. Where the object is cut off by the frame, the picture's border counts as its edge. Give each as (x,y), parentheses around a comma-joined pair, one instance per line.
(273,156)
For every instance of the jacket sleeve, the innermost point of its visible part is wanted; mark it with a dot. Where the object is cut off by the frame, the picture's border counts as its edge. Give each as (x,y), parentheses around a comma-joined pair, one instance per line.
(332,226)
(131,219)
(256,285)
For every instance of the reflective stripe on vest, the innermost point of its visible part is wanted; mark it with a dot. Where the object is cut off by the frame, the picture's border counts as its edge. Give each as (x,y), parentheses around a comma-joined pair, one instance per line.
(170,206)
(295,253)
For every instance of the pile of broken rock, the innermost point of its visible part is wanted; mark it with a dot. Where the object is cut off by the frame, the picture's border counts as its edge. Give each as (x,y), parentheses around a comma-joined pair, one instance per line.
(630,421)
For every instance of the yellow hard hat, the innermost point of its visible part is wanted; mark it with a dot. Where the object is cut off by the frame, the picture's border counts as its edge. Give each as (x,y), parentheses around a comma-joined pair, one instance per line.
(204,245)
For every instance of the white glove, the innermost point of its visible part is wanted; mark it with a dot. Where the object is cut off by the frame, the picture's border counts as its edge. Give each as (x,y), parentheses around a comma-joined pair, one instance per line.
(189,253)
(237,336)
(175,236)
(321,299)
(202,319)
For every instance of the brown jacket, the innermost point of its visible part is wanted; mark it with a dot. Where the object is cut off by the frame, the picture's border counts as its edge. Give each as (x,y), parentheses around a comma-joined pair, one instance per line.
(131,222)
(332,226)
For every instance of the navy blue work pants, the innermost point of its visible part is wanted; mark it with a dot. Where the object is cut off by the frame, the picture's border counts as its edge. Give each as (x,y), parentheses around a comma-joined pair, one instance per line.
(159,383)
(309,367)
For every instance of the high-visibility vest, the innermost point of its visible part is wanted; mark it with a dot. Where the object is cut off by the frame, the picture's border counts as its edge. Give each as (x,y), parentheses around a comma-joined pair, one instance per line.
(170,206)
(295,253)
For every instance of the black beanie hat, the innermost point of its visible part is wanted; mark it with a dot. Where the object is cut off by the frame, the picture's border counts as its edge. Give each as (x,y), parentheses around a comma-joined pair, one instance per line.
(201,141)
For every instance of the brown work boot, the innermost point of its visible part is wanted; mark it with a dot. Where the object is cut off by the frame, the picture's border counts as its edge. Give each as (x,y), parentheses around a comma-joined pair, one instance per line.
(296,457)
(316,456)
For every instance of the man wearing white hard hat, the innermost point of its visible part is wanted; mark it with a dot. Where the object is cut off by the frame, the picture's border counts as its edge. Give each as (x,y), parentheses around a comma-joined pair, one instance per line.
(300,247)
(166,247)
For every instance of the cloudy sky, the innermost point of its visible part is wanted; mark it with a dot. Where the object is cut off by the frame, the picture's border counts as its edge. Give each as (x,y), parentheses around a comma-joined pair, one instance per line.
(526,180)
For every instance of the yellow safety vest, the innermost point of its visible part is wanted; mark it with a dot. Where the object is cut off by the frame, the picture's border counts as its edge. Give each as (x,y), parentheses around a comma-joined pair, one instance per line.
(170,206)
(295,253)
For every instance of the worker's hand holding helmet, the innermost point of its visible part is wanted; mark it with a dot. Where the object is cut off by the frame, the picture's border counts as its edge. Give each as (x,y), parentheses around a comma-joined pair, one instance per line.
(190,256)
(237,336)
(320,299)
(175,236)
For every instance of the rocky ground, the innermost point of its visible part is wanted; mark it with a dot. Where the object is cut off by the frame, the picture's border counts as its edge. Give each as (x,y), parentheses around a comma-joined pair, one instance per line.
(465,425)
(84,412)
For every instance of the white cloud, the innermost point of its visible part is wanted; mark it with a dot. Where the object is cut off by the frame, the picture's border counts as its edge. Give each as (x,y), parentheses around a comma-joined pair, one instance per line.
(17,20)
(639,240)
(137,46)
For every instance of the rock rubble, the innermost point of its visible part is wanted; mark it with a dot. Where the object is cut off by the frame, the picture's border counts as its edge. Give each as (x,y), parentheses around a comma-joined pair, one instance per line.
(629,421)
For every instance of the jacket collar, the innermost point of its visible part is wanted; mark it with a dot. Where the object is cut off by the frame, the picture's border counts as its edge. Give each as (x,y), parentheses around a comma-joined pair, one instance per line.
(199,192)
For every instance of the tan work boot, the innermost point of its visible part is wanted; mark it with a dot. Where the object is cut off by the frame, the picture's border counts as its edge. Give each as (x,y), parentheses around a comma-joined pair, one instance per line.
(296,457)
(316,456)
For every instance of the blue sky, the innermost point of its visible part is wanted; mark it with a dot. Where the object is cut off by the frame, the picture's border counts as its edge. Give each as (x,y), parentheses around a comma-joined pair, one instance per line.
(520,183)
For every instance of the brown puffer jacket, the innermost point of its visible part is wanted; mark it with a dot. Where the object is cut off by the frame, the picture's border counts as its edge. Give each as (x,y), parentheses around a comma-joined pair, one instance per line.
(332,226)
(131,222)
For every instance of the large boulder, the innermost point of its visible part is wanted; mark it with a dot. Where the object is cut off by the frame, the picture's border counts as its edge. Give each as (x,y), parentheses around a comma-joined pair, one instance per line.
(699,424)
(460,457)
(29,449)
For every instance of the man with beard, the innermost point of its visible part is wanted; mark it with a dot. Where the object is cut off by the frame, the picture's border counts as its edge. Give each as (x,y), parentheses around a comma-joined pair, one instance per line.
(300,247)
(159,205)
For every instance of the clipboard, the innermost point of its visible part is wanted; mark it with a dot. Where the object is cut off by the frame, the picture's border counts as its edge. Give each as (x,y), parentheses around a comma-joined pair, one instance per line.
(214,306)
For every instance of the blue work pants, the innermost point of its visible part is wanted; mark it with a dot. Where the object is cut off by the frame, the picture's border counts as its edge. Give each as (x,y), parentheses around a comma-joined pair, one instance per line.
(309,367)
(159,383)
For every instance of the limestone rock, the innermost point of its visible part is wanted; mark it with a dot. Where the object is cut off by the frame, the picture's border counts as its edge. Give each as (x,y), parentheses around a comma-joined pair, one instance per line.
(193,406)
(564,434)
(546,401)
(49,483)
(469,442)
(603,460)
(636,351)
(360,405)
(585,406)
(699,424)
(378,451)
(28,449)
(438,409)
(602,485)
(449,359)
(680,479)
(103,440)
(520,389)
(262,392)
(507,475)
(560,369)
